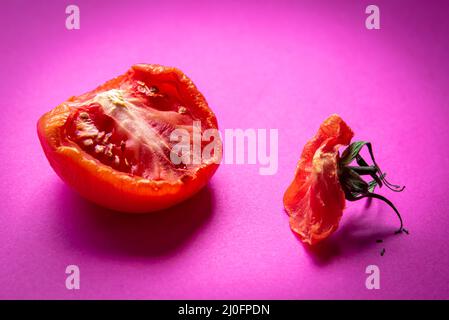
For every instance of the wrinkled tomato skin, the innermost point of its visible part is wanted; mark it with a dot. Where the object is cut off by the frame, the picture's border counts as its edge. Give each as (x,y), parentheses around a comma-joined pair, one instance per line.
(315,200)
(102,184)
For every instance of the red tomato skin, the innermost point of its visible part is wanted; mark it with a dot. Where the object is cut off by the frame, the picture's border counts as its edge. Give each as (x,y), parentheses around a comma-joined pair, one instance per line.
(111,188)
(315,200)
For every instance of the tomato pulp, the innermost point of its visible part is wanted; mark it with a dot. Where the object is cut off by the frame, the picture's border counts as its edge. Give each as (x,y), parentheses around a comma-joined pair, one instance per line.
(113,145)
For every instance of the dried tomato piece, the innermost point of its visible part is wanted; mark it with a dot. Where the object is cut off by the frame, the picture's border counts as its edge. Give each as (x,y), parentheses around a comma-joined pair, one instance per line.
(315,199)
(323,180)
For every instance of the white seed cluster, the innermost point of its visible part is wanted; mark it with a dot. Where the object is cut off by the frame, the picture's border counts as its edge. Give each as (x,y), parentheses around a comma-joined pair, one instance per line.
(99,141)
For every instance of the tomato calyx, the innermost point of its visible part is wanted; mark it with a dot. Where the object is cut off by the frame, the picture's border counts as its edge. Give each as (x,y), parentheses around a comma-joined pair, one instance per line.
(355,188)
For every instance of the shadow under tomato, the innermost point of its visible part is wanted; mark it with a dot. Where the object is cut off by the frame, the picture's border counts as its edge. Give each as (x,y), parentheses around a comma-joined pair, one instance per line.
(89,227)
(356,233)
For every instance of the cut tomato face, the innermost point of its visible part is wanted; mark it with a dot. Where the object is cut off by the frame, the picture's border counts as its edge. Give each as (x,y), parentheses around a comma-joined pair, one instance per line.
(114,144)
(315,199)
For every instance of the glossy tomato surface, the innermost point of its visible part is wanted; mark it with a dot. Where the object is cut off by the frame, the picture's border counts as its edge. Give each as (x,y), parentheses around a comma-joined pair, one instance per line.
(113,145)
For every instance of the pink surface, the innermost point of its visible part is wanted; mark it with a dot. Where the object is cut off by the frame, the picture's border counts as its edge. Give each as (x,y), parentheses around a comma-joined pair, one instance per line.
(260,64)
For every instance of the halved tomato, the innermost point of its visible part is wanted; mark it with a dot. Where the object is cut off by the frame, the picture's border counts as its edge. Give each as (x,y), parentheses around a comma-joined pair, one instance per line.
(113,145)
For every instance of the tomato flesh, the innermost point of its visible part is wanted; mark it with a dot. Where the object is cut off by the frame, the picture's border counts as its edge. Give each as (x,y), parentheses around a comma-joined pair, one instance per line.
(129,135)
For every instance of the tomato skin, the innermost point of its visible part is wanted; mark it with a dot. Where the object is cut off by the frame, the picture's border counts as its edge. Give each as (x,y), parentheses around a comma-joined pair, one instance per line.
(111,188)
(315,200)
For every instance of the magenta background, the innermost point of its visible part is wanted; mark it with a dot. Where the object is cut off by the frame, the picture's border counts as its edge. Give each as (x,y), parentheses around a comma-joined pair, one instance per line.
(260,64)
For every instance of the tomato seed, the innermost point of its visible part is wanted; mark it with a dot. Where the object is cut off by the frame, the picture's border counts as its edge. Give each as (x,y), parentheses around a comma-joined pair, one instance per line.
(108,151)
(154,89)
(143,89)
(88,142)
(100,135)
(84,116)
(99,149)
(106,138)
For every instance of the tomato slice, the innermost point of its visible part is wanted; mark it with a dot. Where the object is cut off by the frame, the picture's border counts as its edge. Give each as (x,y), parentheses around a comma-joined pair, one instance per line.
(113,144)
(315,200)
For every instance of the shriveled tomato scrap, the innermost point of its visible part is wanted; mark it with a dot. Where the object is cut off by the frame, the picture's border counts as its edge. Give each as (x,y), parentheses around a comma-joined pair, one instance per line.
(323,180)
(113,144)
(315,200)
